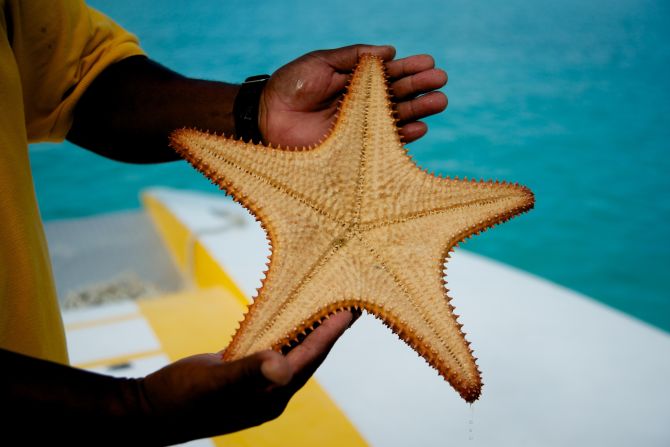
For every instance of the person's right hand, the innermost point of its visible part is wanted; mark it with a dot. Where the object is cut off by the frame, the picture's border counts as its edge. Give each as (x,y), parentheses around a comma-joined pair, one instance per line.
(202,395)
(299,103)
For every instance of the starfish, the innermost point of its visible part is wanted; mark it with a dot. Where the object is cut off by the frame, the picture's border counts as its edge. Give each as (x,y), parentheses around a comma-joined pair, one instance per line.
(354,223)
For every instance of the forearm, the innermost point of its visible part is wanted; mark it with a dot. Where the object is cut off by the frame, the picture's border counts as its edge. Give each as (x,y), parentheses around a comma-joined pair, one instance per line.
(129,110)
(68,404)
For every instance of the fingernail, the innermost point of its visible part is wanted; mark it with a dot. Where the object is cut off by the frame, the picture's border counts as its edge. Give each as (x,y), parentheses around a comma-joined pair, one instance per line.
(276,371)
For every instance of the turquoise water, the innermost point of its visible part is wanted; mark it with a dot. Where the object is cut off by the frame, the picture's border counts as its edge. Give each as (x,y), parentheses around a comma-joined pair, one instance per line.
(570,98)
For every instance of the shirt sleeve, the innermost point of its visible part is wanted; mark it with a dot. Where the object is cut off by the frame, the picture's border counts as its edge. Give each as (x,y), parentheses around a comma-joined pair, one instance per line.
(60,47)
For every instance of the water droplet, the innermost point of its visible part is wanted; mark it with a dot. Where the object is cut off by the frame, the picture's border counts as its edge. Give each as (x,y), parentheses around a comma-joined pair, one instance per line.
(471,423)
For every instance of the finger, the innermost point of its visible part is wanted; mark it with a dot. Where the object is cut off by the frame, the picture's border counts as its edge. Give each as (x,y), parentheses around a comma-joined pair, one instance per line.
(422,82)
(355,315)
(410,65)
(421,107)
(344,59)
(308,355)
(277,369)
(413,131)
(256,372)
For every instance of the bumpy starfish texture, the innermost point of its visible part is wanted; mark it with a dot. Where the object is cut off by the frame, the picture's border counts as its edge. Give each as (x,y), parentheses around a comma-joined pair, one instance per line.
(353,223)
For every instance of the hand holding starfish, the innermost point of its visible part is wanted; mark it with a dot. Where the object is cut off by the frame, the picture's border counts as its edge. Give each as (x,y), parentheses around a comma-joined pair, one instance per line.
(202,396)
(299,103)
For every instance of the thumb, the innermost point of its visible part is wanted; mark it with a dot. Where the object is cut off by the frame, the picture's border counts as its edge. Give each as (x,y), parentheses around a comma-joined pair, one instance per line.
(258,371)
(345,58)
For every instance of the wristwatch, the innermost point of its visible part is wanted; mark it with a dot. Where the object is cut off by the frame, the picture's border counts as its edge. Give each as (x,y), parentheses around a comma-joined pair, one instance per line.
(246,107)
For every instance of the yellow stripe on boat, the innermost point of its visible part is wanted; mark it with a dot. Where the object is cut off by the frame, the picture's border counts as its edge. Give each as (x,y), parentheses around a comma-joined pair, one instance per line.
(205,271)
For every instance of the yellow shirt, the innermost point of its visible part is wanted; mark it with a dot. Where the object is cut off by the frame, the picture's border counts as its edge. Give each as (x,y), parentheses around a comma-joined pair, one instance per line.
(50,51)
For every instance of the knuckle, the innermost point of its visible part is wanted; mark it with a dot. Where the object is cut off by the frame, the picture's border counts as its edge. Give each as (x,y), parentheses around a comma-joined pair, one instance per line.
(404,71)
(412,84)
(412,109)
(316,54)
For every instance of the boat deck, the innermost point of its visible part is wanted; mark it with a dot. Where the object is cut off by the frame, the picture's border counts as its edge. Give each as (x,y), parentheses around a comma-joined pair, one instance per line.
(559,368)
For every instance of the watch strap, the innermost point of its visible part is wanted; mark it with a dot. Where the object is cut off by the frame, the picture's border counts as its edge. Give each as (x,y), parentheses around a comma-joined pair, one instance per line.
(247,106)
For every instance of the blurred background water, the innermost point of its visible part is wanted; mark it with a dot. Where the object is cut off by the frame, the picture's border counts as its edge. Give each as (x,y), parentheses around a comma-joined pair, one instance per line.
(570,98)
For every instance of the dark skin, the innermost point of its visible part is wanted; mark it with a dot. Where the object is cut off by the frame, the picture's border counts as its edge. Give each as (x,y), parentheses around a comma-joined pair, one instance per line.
(127,115)
(226,397)
(196,397)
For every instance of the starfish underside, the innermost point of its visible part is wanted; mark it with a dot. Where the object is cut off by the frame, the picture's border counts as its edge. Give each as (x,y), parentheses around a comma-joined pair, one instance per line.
(353,223)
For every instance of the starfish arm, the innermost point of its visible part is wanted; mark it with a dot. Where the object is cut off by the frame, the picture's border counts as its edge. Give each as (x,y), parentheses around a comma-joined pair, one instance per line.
(477,205)
(412,249)
(300,247)
(319,177)
(420,313)
(390,178)
(391,186)
(299,232)
(331,284)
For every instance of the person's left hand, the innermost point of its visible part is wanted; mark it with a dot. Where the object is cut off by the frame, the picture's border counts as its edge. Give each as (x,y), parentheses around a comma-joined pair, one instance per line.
(299,102)
(203,396)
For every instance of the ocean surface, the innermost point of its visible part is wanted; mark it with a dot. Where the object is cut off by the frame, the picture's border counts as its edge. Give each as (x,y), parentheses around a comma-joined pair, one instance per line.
(570,98)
